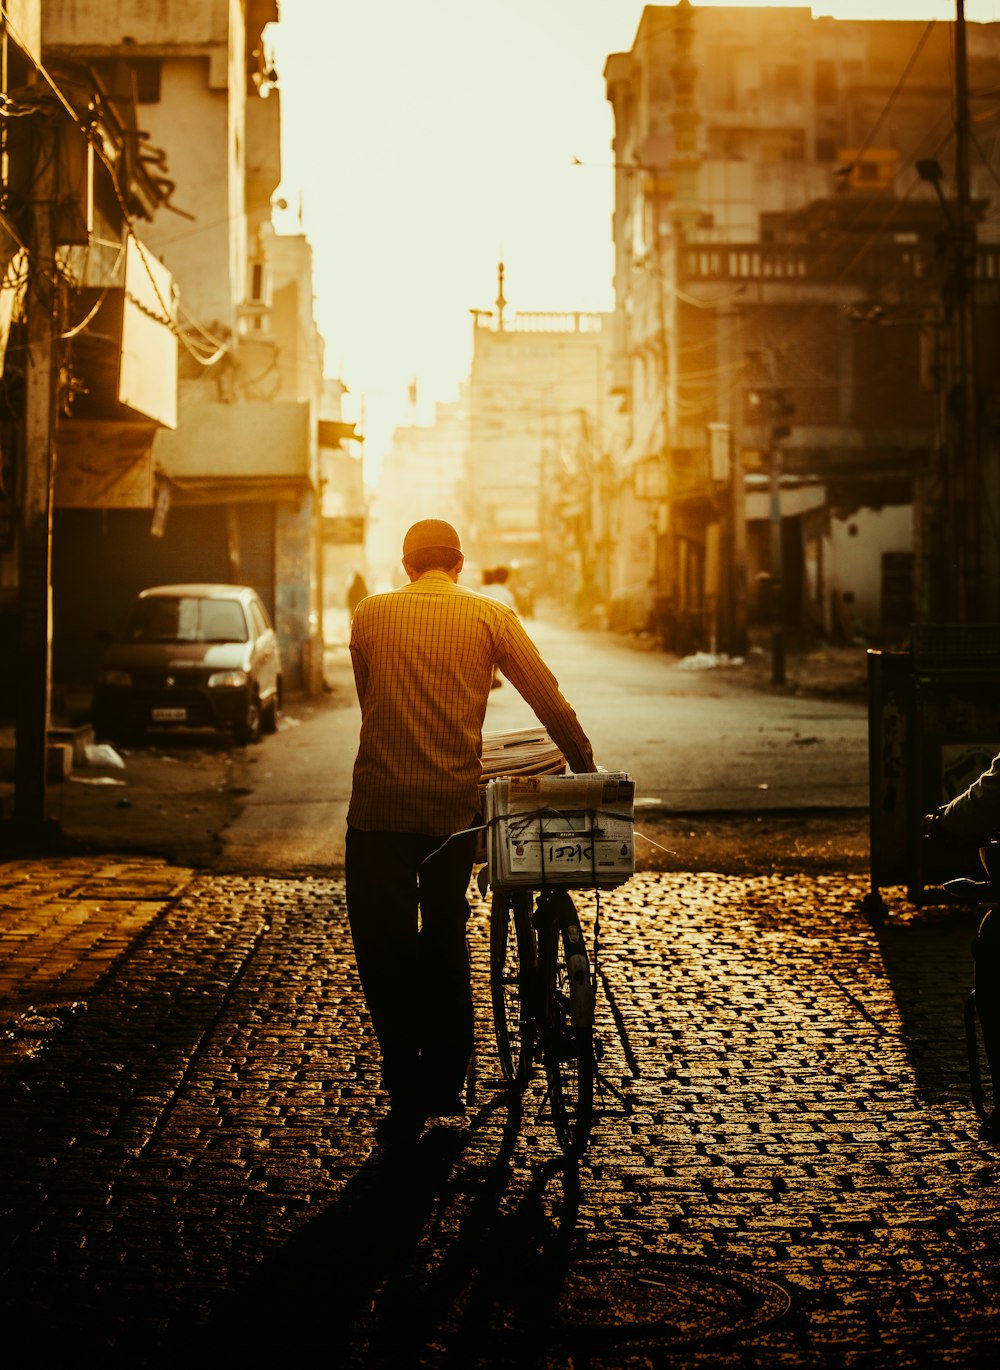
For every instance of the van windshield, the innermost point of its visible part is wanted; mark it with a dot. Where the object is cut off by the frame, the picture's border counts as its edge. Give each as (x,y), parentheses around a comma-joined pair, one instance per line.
(169,619)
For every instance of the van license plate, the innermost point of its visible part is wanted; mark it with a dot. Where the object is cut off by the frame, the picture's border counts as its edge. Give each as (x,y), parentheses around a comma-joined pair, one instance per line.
(169,715)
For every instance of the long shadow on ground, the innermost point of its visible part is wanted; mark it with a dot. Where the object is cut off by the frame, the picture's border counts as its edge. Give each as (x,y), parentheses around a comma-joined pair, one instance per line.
(929,963)
(368,1283)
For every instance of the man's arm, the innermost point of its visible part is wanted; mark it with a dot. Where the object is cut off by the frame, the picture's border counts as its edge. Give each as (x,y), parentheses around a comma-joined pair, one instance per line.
(360,667)
(976,813)
(521,663)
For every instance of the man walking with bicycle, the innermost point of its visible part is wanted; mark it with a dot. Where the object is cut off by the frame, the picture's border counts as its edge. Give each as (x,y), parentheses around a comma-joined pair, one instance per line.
(423,660)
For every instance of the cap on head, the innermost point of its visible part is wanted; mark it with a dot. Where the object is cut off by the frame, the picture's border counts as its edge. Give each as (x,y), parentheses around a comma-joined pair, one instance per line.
(430,533)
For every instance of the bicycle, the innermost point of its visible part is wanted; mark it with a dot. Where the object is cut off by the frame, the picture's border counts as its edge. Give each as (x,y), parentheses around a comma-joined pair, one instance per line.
(560,832)
(982,1006)
(543,995)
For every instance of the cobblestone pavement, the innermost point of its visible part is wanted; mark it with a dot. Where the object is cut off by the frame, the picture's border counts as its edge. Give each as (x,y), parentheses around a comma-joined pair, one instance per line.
(189,1164)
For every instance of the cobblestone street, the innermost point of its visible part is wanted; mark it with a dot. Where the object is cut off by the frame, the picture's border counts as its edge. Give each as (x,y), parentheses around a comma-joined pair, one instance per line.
(189,1161)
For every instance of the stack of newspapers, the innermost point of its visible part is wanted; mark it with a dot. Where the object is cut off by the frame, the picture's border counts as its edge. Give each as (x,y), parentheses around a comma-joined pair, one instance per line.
(523,751)
(577,831)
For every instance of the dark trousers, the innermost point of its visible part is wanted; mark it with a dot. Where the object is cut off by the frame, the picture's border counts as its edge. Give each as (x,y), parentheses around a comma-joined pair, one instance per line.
(414,969)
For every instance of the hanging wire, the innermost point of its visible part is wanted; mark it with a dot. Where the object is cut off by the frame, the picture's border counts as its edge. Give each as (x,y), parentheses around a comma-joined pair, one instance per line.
(91,314)
(892,98)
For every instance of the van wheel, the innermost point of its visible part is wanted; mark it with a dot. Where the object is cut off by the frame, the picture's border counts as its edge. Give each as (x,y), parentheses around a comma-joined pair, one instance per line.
(269,717)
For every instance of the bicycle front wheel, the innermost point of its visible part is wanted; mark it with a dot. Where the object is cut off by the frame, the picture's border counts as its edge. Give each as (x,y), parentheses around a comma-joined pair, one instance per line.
(568,1022)
(513,963)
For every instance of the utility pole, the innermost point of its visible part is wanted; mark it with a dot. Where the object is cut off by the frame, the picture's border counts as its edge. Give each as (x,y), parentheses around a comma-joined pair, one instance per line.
(734,593)
(776,586)
(778,417)
(35,533)
(957,545)
(969,531)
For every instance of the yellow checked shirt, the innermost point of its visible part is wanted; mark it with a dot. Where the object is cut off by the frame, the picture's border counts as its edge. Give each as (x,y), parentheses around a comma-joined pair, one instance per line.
(423,662)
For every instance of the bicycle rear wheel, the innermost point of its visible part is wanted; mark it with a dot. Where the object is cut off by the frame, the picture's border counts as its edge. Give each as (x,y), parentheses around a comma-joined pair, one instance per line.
(567,1029)
(513,960)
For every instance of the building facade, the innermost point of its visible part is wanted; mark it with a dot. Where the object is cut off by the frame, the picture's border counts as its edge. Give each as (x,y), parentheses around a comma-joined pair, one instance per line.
(237,483)
(785,323)
(88,347)
(422,476)
(535,461)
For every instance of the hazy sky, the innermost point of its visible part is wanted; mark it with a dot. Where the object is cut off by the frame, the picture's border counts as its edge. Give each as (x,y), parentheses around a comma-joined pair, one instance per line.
(425,140)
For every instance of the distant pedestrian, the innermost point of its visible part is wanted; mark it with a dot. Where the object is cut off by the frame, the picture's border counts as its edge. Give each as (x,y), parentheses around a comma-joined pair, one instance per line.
(495,585)
(356,592)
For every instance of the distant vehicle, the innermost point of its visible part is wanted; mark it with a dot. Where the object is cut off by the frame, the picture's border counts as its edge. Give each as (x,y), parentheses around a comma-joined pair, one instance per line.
(191,656)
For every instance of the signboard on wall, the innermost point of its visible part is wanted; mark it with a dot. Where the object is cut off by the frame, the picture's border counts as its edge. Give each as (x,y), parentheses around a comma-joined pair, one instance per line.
(344,530)
(102,464)
(147,376)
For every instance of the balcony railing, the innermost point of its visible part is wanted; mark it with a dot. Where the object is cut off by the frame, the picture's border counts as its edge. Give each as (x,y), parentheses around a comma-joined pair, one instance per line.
(544,322)
(819,263)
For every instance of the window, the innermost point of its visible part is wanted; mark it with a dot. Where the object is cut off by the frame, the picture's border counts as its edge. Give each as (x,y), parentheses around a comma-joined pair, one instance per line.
(825,83)
(260,622)
(148,71)
(163,619)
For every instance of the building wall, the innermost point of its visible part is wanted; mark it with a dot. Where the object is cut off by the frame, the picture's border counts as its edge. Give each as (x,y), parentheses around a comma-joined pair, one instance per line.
(236,440)
(193,122)
(295,602)
(858,542)
(96,23)
(530,383)
(727,122)
(298,369)
(422,476)
(198,121)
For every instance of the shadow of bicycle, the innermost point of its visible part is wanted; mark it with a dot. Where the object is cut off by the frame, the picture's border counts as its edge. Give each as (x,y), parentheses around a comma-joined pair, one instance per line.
(927,956)
(421,1250)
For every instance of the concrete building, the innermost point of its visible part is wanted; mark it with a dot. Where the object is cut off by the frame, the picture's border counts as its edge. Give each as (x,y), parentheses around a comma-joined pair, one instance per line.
(785,274)
(537,413)
(88,350)
(237,483)
(422,476)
